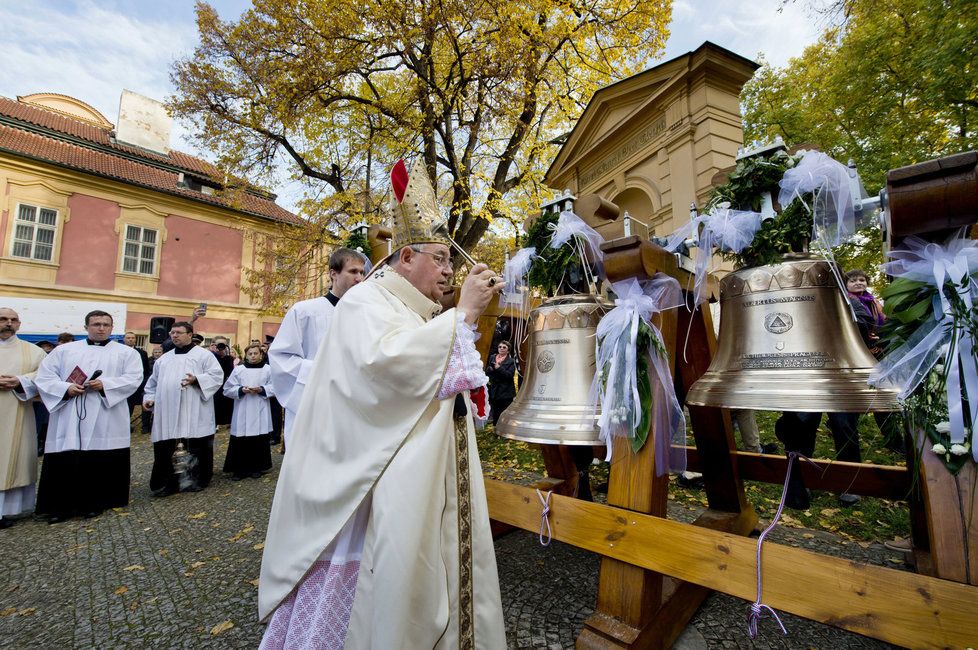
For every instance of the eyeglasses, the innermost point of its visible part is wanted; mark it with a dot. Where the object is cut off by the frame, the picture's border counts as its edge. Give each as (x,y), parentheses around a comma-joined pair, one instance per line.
(439,259)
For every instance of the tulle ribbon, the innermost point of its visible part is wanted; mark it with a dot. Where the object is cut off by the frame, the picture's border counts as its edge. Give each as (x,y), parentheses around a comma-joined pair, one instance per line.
(617,358)
(571,229)
(514,277)
(723,228)
(907,366)
(828,180)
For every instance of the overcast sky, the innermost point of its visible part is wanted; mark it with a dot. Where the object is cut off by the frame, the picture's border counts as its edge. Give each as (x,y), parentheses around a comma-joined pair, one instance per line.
(92,50)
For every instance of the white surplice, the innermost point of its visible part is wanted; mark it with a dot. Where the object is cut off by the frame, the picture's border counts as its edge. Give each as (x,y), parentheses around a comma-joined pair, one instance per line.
(93,421)
(183,411)
(373,439)
(292,353)
(252,415)
(18,436)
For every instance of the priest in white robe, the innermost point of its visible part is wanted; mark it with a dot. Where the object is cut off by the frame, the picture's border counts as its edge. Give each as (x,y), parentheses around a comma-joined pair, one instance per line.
(293,351)
(19,361)
(180,392)
(379,531)
(250,387)
(84,385)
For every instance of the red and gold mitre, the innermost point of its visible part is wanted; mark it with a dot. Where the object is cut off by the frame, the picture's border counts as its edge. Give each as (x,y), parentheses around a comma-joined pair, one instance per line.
(416,218)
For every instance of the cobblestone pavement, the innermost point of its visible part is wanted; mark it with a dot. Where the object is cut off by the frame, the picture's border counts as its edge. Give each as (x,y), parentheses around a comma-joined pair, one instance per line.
(182,572)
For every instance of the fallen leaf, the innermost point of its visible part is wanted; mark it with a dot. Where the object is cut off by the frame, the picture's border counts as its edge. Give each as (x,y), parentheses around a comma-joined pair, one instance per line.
(807,535)
(134,606)
(121,590)
(241,533)
(830,512)
(226,494)
(221,627)
(135,567)
(253,583)
(259,546)
(215,558)
(199,515)
(8,611)
(196,565)
(29,611)
(147,528)
(164,552)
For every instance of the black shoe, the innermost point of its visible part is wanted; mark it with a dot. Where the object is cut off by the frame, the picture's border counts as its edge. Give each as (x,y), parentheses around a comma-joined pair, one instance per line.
(237,478)
(256,475)
(194,488)
(93,514)
(770,448)
(848,500)
(57,519)
(5,523)
(165,492)
(798,500)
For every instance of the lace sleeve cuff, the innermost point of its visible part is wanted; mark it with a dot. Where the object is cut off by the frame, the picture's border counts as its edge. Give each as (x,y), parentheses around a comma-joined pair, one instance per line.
(464,370)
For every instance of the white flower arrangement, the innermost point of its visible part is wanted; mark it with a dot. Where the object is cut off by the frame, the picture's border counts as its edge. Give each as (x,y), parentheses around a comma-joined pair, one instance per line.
(939,449)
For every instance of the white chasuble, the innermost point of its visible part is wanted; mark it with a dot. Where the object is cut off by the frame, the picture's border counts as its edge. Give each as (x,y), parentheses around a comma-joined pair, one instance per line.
(183,411)
(294,349)
(93,421)
(252,415)
(18,436)
(372,433)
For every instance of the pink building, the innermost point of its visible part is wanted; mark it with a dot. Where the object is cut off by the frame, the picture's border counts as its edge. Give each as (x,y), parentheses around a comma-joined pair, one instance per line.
(91,211)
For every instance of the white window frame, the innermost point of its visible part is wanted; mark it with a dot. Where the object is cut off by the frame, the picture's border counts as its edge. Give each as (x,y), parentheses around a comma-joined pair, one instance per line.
(35,227)
(139,259)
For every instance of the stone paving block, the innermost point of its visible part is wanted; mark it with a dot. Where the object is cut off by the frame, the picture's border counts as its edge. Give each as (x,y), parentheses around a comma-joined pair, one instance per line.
(162,573)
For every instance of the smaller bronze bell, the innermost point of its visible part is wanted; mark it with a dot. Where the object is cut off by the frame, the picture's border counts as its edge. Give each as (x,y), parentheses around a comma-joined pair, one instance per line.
(788,343)
(553,405)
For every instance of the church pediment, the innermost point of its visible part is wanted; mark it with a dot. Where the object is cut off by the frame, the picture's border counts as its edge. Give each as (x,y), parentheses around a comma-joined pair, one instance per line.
(636,111)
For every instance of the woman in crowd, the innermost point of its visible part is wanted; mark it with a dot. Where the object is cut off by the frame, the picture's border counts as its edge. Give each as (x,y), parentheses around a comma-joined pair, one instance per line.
(501,370)
(250,386)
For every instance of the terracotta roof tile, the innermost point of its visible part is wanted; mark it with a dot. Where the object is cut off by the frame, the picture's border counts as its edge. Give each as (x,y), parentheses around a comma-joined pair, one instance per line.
(104,163)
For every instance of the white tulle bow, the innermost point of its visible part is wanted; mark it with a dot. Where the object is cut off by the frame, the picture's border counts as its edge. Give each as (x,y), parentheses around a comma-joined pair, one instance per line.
(907,366)
(616,359)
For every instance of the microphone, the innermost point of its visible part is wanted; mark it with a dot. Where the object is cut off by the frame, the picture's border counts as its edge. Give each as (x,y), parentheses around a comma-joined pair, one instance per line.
(95,375)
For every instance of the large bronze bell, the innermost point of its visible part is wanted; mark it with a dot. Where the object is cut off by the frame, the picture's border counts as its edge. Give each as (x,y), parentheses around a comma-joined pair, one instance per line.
(788,343)
(553,405)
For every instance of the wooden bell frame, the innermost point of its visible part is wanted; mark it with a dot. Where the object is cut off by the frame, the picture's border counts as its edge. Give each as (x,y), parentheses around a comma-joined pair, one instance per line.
(656,572)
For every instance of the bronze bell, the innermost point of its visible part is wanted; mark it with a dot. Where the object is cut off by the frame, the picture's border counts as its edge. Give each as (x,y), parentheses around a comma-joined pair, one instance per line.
(553,405)
(788,343)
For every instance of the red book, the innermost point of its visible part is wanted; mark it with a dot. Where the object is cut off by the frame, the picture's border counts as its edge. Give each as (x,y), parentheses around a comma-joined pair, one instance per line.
(77,376)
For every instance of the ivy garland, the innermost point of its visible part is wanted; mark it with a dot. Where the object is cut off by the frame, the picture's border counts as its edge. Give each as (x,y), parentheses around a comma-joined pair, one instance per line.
(555,268)
(908,305)
(788,232)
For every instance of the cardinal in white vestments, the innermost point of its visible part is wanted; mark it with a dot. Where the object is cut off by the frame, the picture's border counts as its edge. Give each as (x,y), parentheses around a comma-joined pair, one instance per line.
(379,531)
(250,386)
(19,361)
(84,384)
(180,392)
(294,349)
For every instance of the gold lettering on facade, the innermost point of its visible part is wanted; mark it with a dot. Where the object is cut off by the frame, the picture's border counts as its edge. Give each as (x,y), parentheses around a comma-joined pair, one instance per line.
(639,141)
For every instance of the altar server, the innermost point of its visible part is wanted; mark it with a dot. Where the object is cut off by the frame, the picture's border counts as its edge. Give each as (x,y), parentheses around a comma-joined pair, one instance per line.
(180,392)
(294,349)
(250,386)
(84,384)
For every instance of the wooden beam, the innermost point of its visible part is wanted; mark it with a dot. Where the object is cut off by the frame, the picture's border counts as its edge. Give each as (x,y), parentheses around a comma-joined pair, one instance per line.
(883,481)
(895,606)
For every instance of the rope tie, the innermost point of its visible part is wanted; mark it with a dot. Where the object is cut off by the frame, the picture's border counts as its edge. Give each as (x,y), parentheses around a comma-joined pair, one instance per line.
(757,607)
(544,518)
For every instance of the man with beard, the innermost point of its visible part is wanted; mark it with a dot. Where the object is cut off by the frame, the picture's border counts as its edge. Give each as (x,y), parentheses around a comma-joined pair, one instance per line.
(19,361)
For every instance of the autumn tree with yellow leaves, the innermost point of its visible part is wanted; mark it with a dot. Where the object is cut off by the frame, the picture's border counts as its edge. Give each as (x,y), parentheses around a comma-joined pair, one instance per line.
(335,91)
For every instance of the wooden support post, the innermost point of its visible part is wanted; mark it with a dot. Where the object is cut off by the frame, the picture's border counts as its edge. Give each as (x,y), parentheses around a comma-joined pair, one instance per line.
(951,507)
(638,608)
